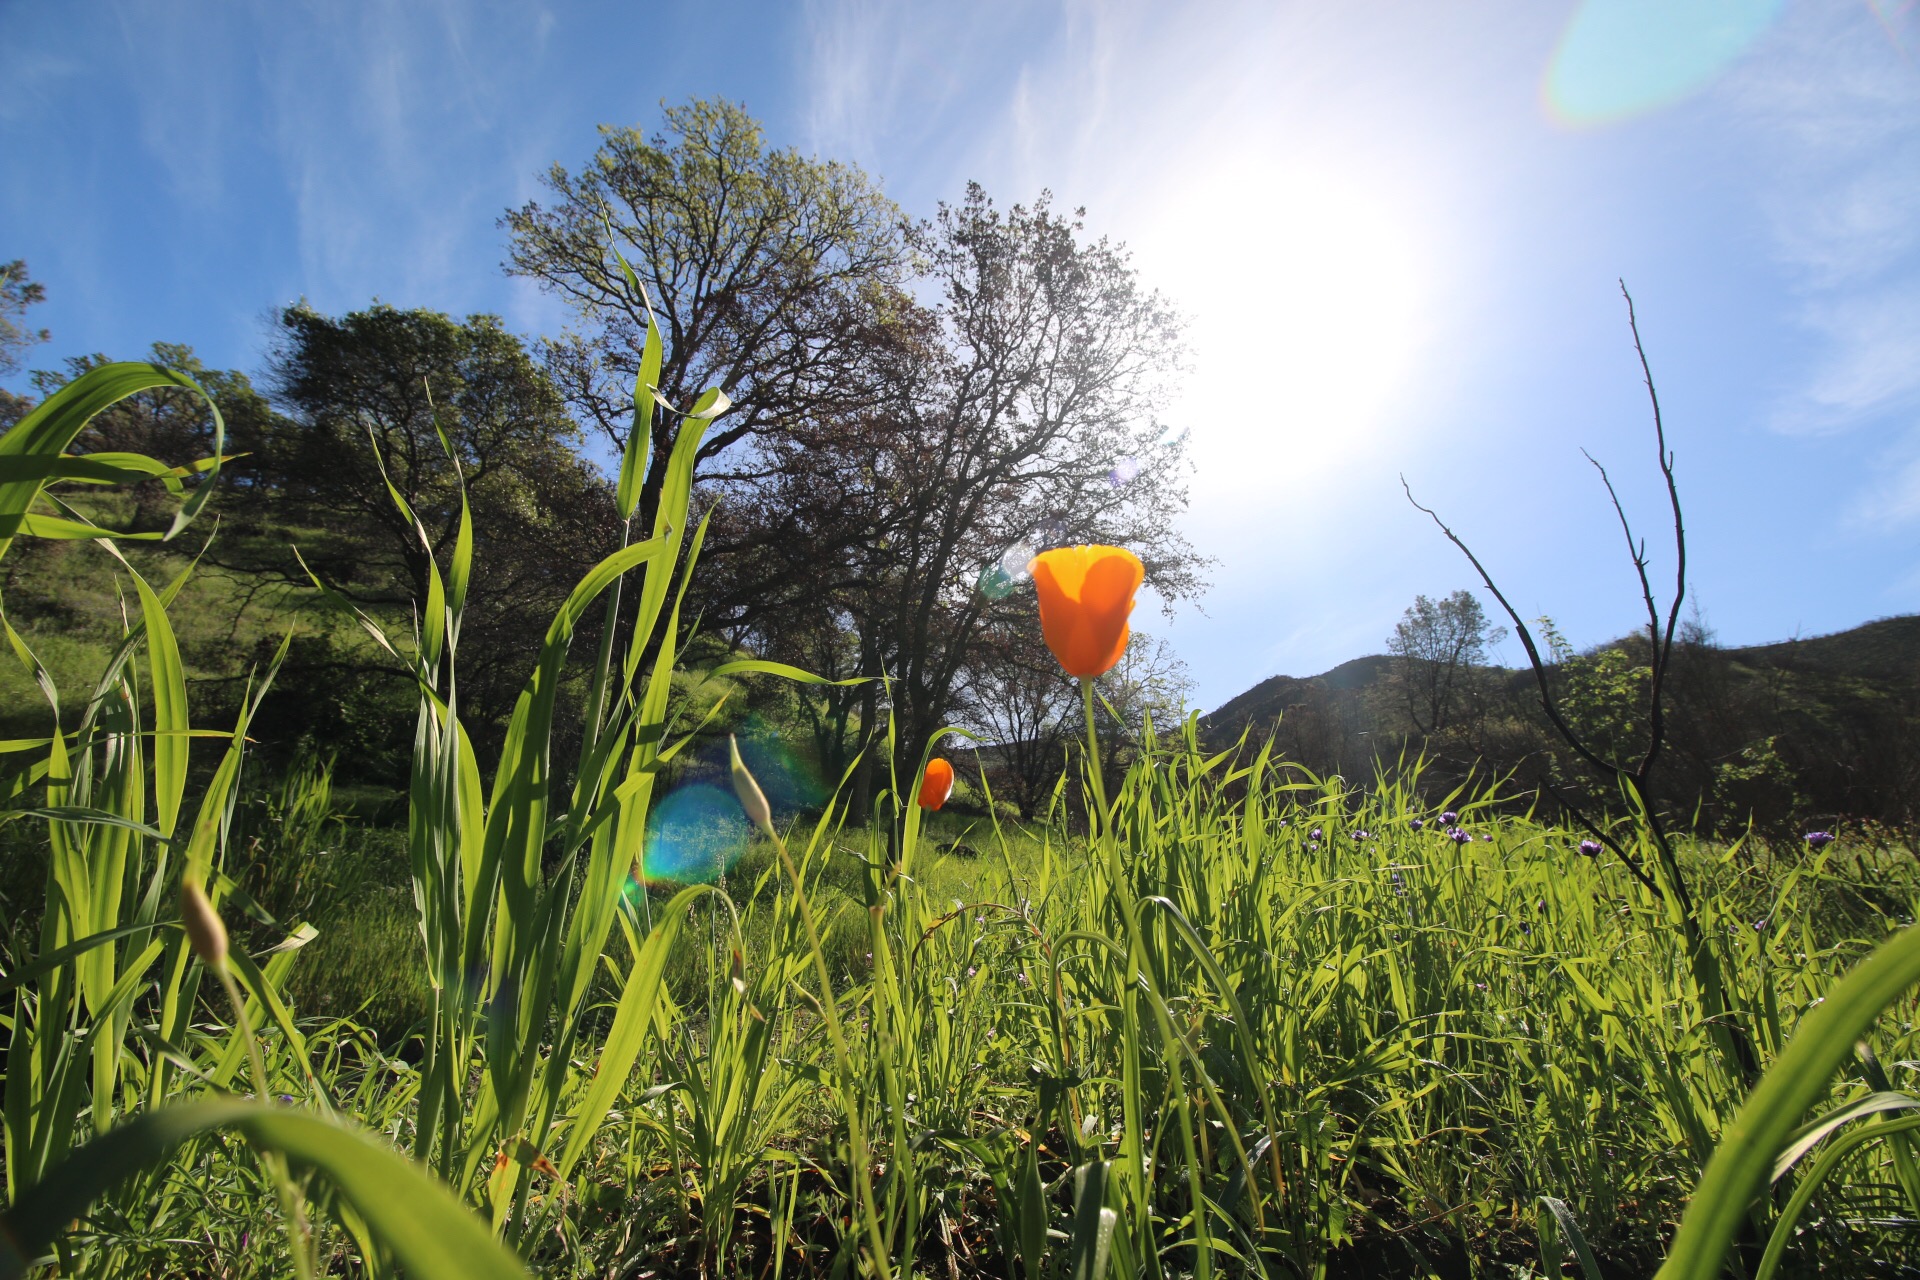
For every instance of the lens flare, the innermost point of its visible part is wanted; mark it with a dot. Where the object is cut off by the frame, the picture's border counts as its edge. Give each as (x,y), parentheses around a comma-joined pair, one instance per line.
(995,583)
(1621,57)
(999,580)
(694,834)
(1123,472)
(789,776)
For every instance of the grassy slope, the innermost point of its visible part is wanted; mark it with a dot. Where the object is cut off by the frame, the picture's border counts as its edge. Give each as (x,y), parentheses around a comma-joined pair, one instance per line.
(69,600)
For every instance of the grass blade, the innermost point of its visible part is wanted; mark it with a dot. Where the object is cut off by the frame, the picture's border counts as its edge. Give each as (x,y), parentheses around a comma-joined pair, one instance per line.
(431,1235)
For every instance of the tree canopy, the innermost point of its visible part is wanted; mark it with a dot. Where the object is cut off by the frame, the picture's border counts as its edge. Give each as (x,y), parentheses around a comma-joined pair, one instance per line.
(764,268)
(1004,407)
(18,291)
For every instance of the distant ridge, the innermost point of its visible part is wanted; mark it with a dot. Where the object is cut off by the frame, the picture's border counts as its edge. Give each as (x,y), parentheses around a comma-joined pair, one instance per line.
(1886,651)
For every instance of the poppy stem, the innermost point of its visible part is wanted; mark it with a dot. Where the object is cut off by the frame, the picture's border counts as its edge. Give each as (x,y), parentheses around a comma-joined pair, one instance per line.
(1098,780)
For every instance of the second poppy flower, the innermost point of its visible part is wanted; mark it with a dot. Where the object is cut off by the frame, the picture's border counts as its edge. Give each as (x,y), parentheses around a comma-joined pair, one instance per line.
(937,785)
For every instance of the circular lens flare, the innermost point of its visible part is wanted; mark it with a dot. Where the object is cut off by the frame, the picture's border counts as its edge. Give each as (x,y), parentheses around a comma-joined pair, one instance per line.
(1001,579)
(789,777)
(694,834)
(1622,57)
(995,583)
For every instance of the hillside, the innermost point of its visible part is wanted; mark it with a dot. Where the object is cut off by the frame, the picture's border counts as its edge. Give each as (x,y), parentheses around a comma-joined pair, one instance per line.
(1796,731)
(1884,651)
(1265,702)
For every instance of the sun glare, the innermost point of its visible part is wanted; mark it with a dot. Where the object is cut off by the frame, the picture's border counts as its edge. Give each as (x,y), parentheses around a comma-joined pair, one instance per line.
(1305,295)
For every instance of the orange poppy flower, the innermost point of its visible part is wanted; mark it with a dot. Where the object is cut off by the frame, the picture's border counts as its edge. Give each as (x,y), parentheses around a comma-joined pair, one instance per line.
(1086,594)
(937,785)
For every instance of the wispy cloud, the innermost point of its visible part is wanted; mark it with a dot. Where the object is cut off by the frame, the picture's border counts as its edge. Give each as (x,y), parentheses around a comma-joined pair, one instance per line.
(1869,362)
(1896,500)
(34,80)
(931,83)
(1832,112)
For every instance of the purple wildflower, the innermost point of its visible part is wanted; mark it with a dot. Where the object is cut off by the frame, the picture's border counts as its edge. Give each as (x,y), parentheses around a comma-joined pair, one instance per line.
(1417,824)
(1314,834)
(1361,835)
(1458,836)
(1819,839)
(1450,818)
(1589,848)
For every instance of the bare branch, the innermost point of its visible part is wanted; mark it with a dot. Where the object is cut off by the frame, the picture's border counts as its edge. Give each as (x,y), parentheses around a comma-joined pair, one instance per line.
(1632,863)
(1534,659)
(1637,551)
(1663,643)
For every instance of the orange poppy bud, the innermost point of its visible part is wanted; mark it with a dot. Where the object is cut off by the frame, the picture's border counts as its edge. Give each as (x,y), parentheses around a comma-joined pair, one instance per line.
(1086,594)
(937,785)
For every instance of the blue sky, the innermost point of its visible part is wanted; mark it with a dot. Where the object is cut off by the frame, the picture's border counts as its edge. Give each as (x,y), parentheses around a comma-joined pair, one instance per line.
(1395,233)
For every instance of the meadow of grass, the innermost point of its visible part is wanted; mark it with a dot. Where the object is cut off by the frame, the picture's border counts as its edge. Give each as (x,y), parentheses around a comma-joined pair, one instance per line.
(1216,1016)
(1446,1032)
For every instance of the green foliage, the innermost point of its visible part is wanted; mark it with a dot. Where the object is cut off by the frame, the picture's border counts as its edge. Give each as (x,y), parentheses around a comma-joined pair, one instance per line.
(17,293)
(1438,644)
(1245,1020)
(1603,695)
(765,264)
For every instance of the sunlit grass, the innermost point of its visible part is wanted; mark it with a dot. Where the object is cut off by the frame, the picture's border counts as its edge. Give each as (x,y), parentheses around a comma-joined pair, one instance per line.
(1215,1016)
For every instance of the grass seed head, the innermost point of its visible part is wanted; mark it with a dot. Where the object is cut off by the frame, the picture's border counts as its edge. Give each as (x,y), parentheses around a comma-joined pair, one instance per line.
(206,934)
(752,799)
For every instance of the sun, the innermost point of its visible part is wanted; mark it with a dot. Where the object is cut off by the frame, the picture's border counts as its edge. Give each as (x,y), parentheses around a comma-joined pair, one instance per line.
(1306,294)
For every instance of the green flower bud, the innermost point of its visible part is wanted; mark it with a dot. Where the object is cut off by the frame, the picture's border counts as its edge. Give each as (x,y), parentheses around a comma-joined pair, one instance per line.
(206,934)
(752,799)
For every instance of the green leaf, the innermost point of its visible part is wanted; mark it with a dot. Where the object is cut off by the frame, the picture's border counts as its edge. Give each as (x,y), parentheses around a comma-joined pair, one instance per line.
(1032,1224)
(54,959)
(1809,1136)
(170,725)
(744,666)
(41,438)
(1091,1243)
(1797,1079)
(1786,1226)
(431,1234)
(646,383)
(1571,1239)
(630,1022)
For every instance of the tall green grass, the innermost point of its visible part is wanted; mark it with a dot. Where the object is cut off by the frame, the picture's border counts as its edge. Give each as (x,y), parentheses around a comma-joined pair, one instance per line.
(1215,1017)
